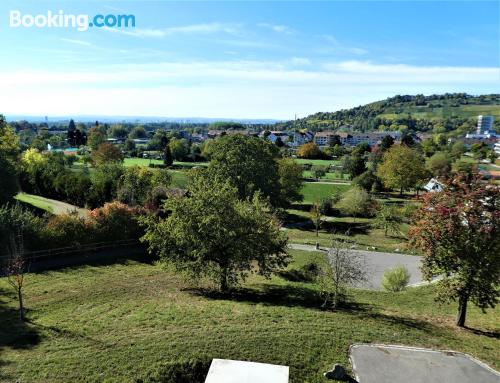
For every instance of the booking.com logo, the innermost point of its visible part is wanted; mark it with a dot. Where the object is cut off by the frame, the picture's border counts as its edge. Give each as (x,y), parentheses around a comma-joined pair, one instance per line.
(61,20)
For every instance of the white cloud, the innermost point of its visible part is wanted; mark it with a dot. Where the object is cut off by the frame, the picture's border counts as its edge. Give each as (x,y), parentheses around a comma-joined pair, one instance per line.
(185,29)
(276,28)
(76,42)
(233,88)
(300,61)
(337,47)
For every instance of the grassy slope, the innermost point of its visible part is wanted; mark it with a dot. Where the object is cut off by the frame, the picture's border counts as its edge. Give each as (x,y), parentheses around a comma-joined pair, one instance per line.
(467,111)
(115,323)
(36,201)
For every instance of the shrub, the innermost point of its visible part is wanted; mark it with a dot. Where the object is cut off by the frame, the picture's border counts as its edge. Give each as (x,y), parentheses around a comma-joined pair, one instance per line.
(356,202)
(115,221)
(67,230)
(396,279)
(15,218)
(306,273)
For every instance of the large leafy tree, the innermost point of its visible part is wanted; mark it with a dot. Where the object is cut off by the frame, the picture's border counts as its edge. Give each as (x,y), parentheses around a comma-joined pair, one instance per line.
(290,180)
(106,153)
(458,230)
(354,165)
(9,150)
(309,150)
(9,142)
(137,183)
(402,168)
(9,185)
(212,233)
(249,163)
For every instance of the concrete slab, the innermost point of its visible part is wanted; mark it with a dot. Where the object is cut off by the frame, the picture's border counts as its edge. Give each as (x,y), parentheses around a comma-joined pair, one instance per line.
(236,371)
(386,363)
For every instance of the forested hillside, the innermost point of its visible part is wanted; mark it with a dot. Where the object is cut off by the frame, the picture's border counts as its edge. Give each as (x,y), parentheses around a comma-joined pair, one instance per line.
(437,113)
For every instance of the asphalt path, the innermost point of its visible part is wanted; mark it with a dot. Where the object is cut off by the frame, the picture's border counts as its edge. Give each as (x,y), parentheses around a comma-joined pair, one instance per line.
(376,263)
(386,363)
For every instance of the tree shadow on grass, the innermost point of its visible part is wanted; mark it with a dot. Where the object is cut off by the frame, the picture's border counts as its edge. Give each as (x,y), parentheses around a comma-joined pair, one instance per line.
(353,228)
(104,258)
(489,334)
(14,333)
(302,296)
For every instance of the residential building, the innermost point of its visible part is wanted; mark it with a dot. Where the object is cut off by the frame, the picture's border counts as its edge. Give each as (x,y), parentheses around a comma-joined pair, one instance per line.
(301,137)
(434,186)
(372,139)
(274,136)
(484,124)
(325,138)
(496,147)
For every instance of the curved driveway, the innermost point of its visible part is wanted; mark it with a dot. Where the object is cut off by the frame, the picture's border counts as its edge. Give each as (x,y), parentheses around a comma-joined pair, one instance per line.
(377,263)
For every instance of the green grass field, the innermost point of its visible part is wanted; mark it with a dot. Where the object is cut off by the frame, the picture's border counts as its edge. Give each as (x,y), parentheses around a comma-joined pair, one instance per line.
(147,161)
(34,200)
(117,323)
(307,174)
(315,192)
(303,161)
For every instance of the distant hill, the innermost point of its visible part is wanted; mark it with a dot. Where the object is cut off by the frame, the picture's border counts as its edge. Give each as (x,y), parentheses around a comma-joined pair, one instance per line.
(419,112)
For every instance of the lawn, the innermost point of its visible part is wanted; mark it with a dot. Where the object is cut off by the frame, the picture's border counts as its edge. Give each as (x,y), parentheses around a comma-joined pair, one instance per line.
(147,161)
(303,161)
(316,192)
(120,322)
(308,174)
(36,201)
(356,231)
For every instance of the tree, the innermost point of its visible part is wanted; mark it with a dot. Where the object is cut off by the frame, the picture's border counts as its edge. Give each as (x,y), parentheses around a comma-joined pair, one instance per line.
(118,131)
(16,267)
(168,159)
(343,269)
(366,180)
(106,153)
(439,164)
(137,183)
(402,168)
(353,165)
(356,202)
(9,142)
(316,215)
(179,148)
(458,149)
(9,185)
(105,180)
(318,171)
(386,143)
(129,145)
(458,230)
(249,163)
(95,138)
(138,132)
(212,233)
(290,181)
(479,151)
(309,150)
(389,219)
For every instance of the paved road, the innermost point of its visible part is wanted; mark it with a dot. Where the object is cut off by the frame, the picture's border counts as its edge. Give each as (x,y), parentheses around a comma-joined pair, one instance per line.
(377,263)
(384,363)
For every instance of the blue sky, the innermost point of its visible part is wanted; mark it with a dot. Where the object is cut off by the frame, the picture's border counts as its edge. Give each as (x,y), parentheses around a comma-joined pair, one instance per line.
(245,59)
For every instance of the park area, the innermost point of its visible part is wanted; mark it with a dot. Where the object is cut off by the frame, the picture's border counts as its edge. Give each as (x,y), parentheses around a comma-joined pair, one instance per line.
(129,320)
